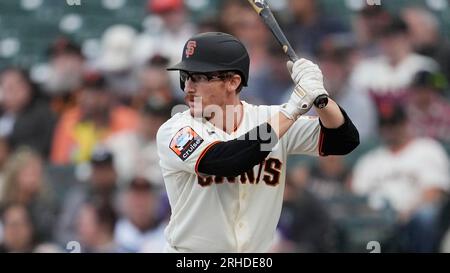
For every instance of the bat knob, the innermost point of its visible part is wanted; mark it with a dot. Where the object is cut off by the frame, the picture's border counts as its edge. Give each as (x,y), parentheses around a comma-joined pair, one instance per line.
(321,101)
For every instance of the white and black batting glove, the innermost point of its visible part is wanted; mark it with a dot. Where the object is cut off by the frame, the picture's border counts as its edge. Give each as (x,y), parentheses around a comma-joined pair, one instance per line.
(308,80)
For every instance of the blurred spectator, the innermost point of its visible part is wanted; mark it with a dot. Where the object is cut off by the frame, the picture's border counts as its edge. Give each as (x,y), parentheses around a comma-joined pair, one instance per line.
(4,156)
(309,25)
(155,84)
(410,174)
(246,25)
(18,230)
(228,15)
(428,109)
(329,177)
(25,119)
(24,183)
(65,75)
(168,32)
(139,223)
(305,224)
(354,222)
(95,227)
(95,118)
(116,61)
(208,24)
(335,57)
(239,19)
(368,28)
(425,36)
(387,76)
(101,187)
(273,82)
(135,151)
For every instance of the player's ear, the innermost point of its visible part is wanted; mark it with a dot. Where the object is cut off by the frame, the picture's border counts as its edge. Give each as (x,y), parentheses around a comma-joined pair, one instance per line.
(234,82)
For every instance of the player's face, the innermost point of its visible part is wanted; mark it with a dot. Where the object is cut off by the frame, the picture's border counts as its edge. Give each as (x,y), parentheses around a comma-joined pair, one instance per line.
(394,135)
(204,92)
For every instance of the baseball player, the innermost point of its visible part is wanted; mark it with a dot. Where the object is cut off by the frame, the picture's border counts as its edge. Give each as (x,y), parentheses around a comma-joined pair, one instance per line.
(224,160)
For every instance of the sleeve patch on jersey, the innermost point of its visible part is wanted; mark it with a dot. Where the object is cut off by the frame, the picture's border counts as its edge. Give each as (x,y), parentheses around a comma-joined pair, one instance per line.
(185,142)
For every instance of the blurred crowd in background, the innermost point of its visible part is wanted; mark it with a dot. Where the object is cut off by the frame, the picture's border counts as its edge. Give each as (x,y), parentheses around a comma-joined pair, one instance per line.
(78,157)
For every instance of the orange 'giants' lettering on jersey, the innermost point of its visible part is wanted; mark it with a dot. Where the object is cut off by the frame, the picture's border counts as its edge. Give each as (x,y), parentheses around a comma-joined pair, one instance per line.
(190,48)
(204,181)
(271,175)
(248,176)
(273,168)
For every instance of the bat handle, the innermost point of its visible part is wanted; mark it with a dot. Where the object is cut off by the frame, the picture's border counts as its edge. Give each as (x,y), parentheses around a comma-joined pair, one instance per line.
(322,100)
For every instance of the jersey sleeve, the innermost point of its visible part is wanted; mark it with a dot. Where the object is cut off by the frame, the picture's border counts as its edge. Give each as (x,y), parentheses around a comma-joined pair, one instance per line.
(182,145)
(303,137)
(309,136)
(434,172)
(362,181)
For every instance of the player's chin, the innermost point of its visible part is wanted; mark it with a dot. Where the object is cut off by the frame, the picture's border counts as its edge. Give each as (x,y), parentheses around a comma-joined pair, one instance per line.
(195,111)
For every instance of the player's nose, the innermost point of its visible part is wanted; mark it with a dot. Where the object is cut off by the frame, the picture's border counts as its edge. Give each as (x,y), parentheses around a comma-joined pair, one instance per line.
(189,86)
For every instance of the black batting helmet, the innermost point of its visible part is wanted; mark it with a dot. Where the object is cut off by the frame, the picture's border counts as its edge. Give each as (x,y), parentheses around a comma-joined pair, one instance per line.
(214,51)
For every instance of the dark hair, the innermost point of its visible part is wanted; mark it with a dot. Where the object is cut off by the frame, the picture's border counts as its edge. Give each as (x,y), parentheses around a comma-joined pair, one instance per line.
(94,80)
(23,72)
(229,74)
(158,61)
(396,26)
(336,47)
(104,212)
(239,3)
(391,114)
(35,91)
(7,206)
(141,184)
(158,109)
(64,45)
(372,10)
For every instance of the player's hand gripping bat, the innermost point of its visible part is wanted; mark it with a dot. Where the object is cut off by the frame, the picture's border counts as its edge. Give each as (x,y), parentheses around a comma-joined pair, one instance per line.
(262,8)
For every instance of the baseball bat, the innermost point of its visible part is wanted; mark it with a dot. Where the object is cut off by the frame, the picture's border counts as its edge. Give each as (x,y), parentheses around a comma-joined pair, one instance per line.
(263,9)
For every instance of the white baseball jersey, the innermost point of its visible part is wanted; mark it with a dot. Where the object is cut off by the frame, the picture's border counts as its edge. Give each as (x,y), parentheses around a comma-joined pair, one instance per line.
(401,177)
(218,214)
(389,79)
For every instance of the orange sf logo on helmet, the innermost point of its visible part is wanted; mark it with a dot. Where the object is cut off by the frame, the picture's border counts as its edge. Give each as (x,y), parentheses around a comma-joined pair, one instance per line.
(190,48)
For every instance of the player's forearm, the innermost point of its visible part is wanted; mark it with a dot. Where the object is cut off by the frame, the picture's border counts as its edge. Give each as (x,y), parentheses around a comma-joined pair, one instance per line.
(331,116)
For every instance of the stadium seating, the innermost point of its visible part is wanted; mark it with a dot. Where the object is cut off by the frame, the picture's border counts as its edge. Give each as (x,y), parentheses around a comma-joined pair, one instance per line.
(357,224)
(35,23)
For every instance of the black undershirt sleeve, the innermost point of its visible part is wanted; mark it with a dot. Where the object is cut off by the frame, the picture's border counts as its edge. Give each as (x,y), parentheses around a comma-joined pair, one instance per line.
(341,140)
(231,158)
